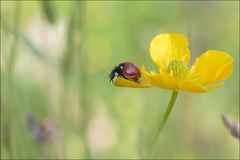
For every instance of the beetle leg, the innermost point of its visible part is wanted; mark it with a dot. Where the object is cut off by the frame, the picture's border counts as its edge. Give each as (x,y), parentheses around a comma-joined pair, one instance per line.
(135,79)
(125,77)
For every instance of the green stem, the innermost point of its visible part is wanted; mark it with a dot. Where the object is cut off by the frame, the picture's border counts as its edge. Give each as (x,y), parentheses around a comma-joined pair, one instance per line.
(167,112)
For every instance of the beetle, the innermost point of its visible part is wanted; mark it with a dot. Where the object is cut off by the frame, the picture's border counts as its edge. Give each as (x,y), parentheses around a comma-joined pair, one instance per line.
(126,70)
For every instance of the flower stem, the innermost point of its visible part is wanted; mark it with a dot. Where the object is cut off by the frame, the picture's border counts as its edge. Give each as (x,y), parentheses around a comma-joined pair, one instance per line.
(167,112)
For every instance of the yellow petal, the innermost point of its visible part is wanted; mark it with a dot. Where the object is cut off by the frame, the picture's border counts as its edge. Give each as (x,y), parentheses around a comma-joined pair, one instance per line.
(167,47)
(160,80)
(196,87)
(212,66)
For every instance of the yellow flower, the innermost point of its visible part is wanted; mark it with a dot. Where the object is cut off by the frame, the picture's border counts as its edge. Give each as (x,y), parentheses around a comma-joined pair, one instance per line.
(171,54)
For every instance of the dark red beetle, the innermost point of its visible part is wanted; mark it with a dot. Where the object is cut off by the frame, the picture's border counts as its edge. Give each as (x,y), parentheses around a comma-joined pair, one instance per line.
(126,70)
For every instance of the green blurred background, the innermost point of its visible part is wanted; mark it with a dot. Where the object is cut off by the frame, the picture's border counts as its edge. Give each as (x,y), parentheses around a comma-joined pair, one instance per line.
(55,62)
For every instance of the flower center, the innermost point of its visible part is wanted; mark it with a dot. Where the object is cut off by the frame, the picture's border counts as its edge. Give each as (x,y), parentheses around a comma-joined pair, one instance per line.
(179,69)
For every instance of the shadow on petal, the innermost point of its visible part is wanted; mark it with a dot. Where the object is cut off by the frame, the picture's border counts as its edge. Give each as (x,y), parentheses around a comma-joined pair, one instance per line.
(142,83)
(160,80)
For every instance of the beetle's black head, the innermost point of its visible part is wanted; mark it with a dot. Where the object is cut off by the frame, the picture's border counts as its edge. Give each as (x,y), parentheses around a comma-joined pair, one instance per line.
(116,72)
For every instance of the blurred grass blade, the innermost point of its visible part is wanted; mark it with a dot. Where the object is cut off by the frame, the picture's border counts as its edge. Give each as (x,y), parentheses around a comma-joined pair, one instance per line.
(24,39)
(69,52)
(39,53)
(14,46)
(49,11)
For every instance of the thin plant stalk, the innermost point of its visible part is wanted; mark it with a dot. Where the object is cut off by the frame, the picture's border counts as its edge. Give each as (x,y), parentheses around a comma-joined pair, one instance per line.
(167,113)
(83,90)
(75,27)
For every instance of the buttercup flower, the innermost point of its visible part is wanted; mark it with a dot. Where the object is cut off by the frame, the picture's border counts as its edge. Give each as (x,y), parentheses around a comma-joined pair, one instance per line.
(171,54)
